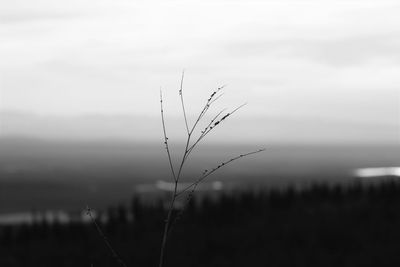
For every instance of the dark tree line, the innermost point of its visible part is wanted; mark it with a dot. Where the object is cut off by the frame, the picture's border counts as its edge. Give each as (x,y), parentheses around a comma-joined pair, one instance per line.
(320,226)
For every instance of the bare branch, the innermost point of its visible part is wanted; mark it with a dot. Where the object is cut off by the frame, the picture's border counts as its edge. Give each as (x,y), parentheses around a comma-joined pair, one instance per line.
(182,211)
(207,173)
(167,225)
(216,98)
(216,123)
(208,104)
(166,138)
(213,123)
(204,132)
(239,107)
(104,237)
(183,104)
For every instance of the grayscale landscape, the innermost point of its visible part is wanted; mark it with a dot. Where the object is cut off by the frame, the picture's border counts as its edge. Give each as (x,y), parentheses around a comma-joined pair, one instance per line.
(199,133)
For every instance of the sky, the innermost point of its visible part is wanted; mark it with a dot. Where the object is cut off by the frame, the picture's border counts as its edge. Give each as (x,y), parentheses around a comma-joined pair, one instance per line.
(310,71)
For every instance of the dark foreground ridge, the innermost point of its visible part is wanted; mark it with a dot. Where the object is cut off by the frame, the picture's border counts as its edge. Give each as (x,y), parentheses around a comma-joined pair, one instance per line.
(320,226)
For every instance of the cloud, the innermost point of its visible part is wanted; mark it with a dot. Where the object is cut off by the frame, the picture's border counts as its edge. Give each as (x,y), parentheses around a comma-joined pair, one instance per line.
(25,16)
(336,52)
(282,57)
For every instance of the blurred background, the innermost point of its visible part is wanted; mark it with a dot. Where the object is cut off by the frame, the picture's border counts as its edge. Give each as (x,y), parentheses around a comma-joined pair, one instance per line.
(79,98)
(80,81)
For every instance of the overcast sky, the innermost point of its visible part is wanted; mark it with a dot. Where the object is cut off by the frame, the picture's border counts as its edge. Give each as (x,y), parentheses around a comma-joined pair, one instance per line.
(322,61)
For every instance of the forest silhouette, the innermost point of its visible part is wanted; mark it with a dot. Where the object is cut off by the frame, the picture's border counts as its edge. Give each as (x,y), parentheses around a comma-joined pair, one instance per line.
(323,225)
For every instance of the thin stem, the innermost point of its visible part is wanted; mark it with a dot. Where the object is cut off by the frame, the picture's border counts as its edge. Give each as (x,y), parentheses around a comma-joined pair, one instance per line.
(167,224)
(193,186)
(183,104)
(217,97)
(167,228)
(104,237)
(203,133)
(223,164)
(166,138)
(180,214)
(184,157)
(212,124)
(176,179)
(210,100)
(239,107)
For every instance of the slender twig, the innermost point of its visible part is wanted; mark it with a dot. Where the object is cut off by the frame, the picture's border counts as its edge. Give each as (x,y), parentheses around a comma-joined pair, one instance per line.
(194,185)
(216,98)
(212,124)
(166,226)
(207,173)
(166,138)
(215,121)
(176,179)
(183,103)
(203,133)
(104,237)
(183,209)
(208,104)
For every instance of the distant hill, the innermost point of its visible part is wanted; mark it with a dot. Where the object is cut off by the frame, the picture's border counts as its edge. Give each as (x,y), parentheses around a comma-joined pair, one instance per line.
(261,130)
(40,174)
